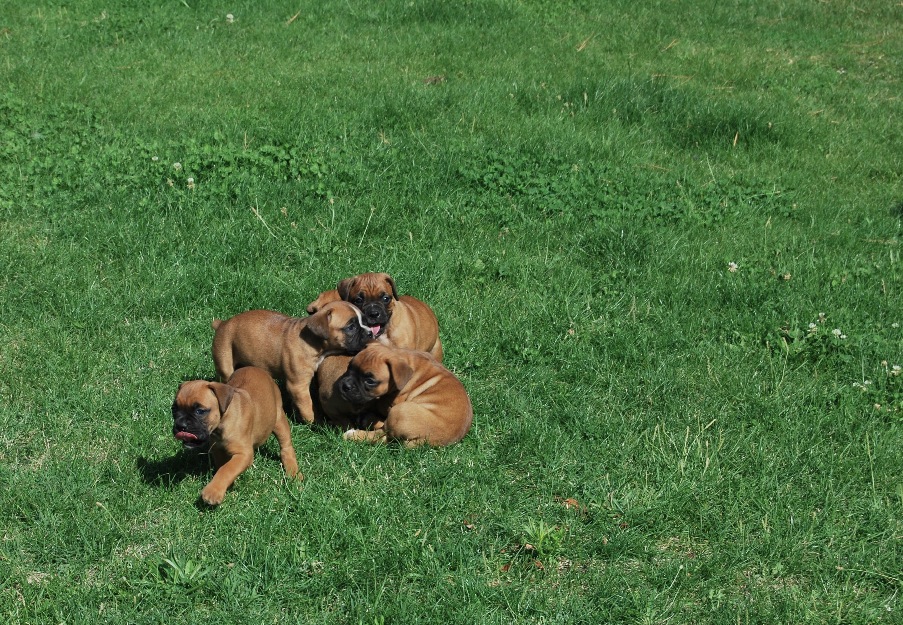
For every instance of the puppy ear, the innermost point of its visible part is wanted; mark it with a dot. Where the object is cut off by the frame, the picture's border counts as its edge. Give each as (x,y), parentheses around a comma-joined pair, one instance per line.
(224,394)
(322,299)
(391,284)
(318,323)
(344,288)
(401,372)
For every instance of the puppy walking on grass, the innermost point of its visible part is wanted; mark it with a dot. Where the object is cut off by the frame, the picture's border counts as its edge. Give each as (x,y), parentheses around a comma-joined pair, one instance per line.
(234,419)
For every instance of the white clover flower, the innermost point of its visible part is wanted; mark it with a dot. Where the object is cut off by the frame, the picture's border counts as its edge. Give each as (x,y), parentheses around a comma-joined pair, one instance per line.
(229,18)
(155,158)
(836,332)
(821,317)
(190,182)
(895,370)
(895,325)
(177,166)
(732,267)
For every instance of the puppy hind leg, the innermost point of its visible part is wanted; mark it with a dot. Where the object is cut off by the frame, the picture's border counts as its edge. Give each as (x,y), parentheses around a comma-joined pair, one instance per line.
(283,432)
(224,364)
(411,424)
(437,350)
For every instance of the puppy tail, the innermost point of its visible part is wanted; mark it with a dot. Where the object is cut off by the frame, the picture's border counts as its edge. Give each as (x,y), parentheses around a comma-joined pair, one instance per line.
(215,323)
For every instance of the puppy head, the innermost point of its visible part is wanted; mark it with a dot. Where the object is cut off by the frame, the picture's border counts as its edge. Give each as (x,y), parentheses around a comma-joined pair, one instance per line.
(198,410)
(338,326)
(375,294)
(322,299)
(375,372)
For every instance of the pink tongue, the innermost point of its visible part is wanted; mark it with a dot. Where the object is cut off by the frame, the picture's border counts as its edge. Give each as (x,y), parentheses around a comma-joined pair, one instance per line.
(375,330)
(186,436)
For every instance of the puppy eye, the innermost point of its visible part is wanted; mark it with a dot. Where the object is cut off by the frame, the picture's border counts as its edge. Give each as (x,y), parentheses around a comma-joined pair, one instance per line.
(200,412)
(370,382)
(358,300)
(386,299)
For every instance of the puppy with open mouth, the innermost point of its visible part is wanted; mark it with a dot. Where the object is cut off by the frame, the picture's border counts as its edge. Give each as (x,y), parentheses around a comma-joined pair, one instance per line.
(401,321)
(234,419)
(288,348)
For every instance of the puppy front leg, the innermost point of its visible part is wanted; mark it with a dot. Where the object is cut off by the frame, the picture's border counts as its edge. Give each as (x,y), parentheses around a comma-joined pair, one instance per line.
(372,436)
(215,491)
(299,389)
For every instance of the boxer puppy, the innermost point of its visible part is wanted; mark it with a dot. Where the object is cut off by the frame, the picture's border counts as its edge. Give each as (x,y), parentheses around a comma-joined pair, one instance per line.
(334,408)
(403,322)
(234,419)
(288,348)
(425,402)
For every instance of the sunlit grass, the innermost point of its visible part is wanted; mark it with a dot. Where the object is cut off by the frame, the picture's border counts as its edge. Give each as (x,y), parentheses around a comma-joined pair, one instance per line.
(663,243)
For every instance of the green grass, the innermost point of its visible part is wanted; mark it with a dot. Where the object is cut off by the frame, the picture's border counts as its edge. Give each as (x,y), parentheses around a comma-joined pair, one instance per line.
(656,438)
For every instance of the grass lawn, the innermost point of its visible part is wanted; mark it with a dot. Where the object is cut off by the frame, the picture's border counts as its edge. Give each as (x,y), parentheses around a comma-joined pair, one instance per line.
(662,239)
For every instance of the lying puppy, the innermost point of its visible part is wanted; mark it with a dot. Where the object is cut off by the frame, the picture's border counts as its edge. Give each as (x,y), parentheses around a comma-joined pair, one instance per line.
(235,419)
(403,322)
(288,348)
(335,409)
(424,402)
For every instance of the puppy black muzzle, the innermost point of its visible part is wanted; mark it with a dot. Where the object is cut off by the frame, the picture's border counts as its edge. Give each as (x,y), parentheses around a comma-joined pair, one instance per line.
(375,314)
(351,389)
(189,426)
(356,337)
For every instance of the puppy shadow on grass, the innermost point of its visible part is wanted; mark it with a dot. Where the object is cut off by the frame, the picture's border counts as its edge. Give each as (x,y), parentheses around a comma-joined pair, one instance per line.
(168,472)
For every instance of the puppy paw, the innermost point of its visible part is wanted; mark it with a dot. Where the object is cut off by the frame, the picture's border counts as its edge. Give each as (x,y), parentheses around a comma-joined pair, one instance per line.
(351,435)
(212,496)
(291,471)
